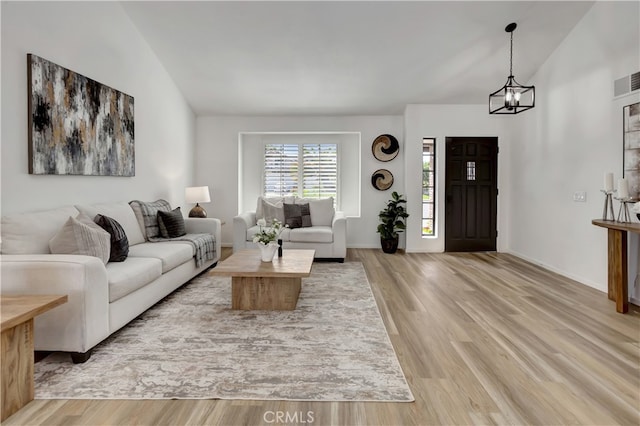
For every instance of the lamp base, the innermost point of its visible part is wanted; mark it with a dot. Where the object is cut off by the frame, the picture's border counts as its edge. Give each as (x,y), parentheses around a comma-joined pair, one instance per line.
(198,211)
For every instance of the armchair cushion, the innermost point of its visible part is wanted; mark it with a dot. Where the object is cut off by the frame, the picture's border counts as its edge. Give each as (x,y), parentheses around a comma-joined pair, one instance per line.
(321,210)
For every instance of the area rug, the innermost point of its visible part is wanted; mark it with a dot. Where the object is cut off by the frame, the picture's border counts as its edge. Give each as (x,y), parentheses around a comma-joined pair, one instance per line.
(191,345)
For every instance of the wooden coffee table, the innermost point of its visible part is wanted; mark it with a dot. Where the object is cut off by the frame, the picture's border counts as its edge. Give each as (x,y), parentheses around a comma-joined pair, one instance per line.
(17,314)
(257,285)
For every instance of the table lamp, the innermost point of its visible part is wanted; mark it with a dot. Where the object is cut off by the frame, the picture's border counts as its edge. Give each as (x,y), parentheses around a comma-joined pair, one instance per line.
(197,194)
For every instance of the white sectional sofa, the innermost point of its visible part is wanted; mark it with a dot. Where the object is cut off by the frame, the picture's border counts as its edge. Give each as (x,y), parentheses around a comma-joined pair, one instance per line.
(327,233)
(102,298)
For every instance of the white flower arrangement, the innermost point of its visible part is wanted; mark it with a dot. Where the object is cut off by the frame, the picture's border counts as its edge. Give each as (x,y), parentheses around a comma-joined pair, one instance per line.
(268,235)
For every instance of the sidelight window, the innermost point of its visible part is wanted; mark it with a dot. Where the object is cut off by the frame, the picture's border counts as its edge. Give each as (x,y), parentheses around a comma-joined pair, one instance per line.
(428,186)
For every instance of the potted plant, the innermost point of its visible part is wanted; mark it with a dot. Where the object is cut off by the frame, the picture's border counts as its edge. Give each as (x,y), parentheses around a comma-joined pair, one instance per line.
(267,238)
(392,222)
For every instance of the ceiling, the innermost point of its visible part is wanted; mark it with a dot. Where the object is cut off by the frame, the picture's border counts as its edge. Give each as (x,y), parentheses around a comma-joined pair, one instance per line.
(347,58)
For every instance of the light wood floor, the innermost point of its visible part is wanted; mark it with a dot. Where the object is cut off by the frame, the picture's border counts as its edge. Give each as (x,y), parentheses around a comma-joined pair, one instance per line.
(483,338)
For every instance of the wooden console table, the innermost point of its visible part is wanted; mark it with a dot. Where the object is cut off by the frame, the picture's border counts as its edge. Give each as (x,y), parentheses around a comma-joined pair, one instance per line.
(17,313)
(618,277)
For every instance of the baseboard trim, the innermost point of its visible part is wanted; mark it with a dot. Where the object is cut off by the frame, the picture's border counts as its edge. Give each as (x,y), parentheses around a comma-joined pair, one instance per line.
(581,280)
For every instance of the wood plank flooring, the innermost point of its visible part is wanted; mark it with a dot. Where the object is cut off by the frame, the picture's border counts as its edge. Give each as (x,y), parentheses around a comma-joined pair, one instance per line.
(483,338)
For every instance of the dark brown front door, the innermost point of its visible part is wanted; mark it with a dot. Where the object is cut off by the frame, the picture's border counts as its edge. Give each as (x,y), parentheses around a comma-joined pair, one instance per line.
(471,185)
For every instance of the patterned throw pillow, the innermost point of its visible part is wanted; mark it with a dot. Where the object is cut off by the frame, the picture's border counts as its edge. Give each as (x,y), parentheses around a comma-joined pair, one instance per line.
(80,235)
(119,240)
(292,216)
(305,213)
(171,223)
(297,215)
(149,212)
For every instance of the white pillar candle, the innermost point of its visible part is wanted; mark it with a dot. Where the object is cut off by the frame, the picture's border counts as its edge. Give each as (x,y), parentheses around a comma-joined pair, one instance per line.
(623,188)
(608,182)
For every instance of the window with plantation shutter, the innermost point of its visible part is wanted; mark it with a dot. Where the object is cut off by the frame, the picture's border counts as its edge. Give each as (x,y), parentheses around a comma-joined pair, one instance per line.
(281,170)
(319,170)
(305,170)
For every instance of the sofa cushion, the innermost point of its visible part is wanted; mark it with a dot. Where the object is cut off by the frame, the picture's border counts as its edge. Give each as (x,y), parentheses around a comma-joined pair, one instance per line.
(80,235)
(284,233)
(119,241)
(315,234)
(29,233)
(130,275)
(121,212)
(171,223)
(322,210)
(170,253)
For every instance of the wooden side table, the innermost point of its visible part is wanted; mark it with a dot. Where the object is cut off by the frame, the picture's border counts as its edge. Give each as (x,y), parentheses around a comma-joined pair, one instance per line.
(618,277)
(16,347)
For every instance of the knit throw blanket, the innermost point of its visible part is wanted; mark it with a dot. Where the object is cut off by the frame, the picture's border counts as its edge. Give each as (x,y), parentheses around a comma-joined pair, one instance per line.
(204,244)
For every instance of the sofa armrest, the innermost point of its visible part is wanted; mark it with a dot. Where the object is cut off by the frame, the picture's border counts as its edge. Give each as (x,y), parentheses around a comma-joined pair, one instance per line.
(207,225)
(241,223)
(339,228)
(75,326)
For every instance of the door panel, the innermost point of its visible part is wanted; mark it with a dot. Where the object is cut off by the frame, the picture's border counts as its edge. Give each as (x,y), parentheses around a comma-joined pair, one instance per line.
(471,193)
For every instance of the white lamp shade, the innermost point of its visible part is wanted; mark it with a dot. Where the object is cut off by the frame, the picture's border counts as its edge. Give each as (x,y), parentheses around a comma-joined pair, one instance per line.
(197,194)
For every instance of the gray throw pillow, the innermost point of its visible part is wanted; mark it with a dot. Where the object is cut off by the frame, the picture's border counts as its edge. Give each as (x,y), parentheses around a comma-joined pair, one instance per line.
(171,223)
(119,240)
(292,216)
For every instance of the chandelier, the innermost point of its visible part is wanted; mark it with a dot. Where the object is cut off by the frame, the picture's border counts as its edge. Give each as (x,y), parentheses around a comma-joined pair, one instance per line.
(513,97)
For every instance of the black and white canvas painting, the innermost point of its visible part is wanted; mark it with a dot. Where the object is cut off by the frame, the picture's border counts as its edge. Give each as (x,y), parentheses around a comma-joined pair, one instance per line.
(77,126)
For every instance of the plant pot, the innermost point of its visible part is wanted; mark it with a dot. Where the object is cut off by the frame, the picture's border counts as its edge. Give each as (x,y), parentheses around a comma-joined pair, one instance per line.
(267,252)
(389,245)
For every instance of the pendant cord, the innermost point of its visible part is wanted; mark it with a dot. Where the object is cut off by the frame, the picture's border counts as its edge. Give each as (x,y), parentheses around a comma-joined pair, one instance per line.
(511,56)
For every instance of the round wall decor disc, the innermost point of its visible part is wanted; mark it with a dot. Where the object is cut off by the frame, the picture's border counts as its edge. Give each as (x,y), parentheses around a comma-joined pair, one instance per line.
(382,179)
(385,147)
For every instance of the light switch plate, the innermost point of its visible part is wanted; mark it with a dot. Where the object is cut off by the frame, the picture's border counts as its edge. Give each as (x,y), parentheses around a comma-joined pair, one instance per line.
(580,197)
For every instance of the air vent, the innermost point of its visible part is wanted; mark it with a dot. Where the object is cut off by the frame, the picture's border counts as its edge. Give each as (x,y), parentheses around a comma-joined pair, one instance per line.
(626,85)
(635,81)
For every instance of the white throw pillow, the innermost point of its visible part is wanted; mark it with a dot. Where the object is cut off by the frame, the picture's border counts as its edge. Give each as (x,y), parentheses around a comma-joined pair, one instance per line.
(272,211)
(80,235)
(271,200)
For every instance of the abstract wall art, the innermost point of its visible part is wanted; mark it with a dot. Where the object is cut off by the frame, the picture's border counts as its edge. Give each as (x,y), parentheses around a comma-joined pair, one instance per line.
(77,126)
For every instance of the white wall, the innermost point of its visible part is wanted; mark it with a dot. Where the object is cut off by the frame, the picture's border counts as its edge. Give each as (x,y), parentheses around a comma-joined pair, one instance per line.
(217,163)
(98,40)
(440,121)
(568,142)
